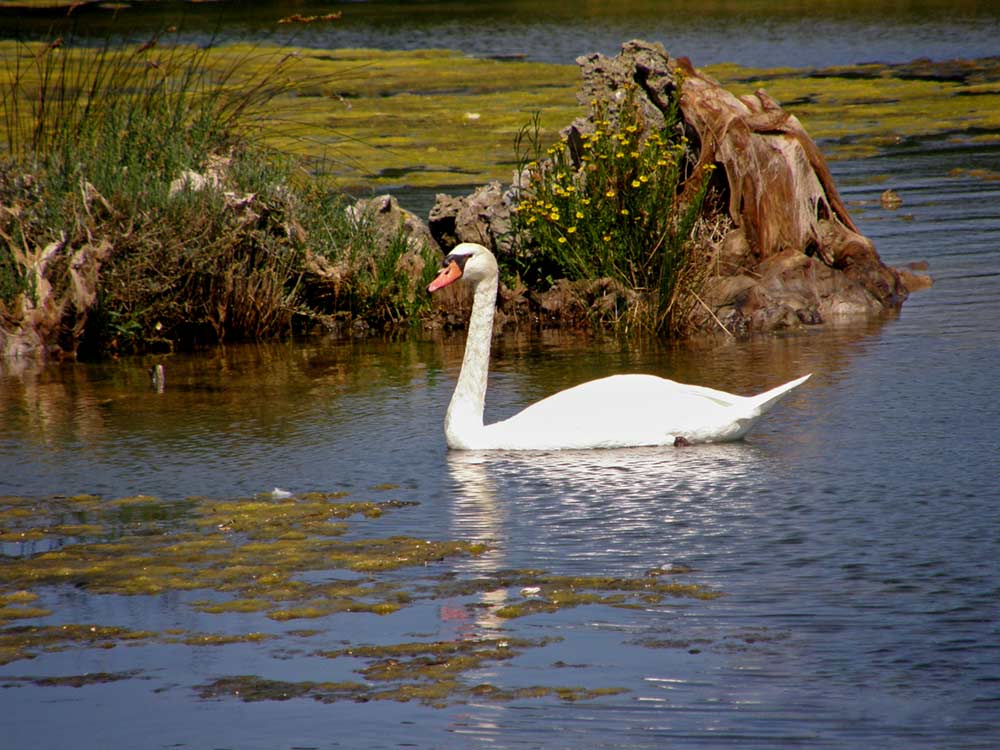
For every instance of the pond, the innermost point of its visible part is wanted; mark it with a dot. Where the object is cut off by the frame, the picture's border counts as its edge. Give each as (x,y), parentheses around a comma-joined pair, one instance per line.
(851,539)
(278,551)
(764,33)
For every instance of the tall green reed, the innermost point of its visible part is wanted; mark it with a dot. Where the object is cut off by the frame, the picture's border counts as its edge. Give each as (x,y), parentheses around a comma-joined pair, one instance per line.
(102,134)
(127,119)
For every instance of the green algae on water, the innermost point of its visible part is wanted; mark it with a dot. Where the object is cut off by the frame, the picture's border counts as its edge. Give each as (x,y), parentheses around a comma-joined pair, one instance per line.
(247,554)
(860,110)
(425,672)
(251,557)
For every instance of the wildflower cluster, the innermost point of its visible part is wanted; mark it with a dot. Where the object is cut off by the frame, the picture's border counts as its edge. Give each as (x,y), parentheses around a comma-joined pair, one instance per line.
(607,203)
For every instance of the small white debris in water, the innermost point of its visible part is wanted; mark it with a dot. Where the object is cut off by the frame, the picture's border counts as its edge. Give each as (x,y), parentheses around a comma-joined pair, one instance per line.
(280,494)
(472,115)
(530,591)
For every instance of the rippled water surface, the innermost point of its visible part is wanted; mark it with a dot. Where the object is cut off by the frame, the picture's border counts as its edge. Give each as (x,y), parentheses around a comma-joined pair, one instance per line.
(769,33)
(853,537)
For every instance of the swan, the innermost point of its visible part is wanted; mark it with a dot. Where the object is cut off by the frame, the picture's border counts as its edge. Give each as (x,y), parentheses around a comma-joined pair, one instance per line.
(620,411)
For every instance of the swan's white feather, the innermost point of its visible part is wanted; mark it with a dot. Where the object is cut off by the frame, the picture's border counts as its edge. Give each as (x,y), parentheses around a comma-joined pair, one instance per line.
(619,411)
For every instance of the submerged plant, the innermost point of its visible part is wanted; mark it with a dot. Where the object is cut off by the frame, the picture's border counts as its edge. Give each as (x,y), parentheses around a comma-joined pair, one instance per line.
(620,201)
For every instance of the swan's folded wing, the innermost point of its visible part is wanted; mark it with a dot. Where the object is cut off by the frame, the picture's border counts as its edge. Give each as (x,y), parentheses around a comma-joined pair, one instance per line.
(621,410)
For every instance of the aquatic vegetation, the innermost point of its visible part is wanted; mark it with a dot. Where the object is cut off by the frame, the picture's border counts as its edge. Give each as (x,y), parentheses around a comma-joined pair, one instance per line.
(253,557)
(27,641)
(549,593)
(109,151)
(80,680)
(428,673)
(619,201)
(861,110)
(248,552)
(16,606)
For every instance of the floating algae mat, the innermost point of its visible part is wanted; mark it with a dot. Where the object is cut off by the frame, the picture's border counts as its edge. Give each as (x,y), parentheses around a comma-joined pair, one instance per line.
(269,561)
(438,118)
(374,119)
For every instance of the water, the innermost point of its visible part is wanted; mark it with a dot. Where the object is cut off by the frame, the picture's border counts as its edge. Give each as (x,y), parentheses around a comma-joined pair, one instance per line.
(854,535)
(767,33)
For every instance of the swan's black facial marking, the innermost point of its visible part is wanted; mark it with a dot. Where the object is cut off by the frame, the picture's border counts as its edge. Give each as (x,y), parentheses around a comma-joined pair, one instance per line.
(459,259)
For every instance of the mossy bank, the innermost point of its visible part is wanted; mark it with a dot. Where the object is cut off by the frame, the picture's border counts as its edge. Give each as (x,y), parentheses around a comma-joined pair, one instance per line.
(253,152)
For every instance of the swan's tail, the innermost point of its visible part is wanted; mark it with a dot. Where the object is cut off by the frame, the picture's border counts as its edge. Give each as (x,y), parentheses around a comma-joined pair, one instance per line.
(763,402)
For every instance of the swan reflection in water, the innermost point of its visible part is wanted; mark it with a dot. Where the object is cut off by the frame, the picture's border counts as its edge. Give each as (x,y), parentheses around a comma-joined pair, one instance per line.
(636,489)
(594,512)
(598,512)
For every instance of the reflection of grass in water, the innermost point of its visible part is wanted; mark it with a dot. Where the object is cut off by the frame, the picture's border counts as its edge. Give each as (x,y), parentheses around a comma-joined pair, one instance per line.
(249,556)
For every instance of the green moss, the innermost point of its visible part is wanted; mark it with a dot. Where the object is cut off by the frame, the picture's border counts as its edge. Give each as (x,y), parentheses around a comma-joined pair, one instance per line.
(249,551)
(541,592)
(22,613)
(212,639)
(81,680)
(233,605)
(26,642)
(251,688)
(860,110)
(248,556)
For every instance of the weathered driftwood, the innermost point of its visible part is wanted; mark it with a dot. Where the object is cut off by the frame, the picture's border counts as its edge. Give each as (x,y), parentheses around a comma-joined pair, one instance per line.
(49,320)
(794,255)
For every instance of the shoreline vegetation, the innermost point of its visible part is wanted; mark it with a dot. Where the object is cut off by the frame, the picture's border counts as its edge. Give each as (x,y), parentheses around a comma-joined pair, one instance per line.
(159,196)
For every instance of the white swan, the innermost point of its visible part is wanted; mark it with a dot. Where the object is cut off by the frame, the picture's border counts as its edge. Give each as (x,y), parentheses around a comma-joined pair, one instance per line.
(620,411)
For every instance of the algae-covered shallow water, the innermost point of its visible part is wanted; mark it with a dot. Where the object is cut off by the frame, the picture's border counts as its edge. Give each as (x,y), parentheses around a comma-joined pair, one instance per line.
(829,583)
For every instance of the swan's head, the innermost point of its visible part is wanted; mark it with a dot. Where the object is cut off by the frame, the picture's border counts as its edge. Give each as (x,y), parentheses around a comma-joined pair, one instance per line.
(468,261)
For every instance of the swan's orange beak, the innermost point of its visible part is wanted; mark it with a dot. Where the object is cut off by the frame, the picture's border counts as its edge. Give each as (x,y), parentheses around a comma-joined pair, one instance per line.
(447,275)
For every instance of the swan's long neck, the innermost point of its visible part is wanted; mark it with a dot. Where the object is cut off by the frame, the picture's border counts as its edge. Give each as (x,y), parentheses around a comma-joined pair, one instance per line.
(465,412)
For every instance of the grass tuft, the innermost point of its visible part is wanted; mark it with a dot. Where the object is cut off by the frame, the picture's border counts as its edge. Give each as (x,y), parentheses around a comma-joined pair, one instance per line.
(137,171)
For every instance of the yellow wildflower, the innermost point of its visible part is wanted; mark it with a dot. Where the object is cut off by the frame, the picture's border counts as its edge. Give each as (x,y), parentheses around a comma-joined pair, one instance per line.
(579,214)
(636,183)
(570,230)
(562,240)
